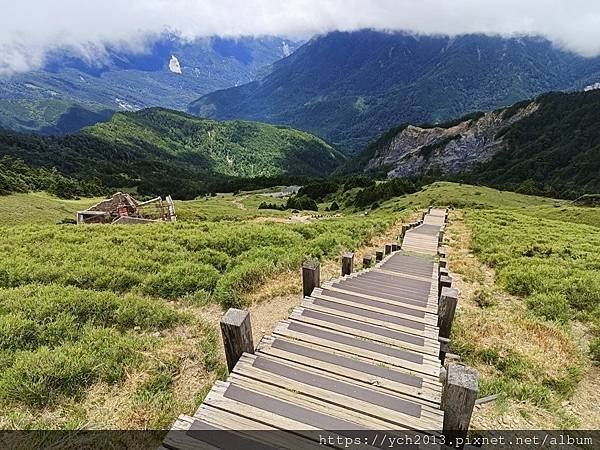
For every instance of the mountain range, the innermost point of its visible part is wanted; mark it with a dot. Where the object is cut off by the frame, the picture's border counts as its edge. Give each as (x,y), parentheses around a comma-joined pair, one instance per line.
(70,91)
(550,145)
(374,103)
(349,87)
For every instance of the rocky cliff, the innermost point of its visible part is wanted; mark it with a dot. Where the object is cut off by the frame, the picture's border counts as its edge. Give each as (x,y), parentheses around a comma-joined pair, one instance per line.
(449,148)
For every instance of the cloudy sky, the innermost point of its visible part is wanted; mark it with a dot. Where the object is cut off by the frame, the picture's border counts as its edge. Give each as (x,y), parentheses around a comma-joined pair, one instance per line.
(31,28)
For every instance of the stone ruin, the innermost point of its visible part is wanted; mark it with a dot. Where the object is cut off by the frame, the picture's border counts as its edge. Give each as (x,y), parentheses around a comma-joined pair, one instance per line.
(122,208)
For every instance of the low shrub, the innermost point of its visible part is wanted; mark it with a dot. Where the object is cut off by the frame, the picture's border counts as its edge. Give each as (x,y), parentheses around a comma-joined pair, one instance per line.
(45,376)
(181,279)
(550,306)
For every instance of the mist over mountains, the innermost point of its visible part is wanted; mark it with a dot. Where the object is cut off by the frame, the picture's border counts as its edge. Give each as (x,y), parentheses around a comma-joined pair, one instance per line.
(70,91)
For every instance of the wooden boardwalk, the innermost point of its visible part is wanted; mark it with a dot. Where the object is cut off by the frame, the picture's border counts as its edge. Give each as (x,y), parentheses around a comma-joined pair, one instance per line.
(361,352)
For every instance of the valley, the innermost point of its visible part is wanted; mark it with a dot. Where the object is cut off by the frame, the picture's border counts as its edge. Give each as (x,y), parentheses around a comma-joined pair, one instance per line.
(75,92)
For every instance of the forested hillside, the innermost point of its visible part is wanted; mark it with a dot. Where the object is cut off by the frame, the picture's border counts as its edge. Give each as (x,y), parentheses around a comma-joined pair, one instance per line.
(548,146)
(348,87)
(161,151)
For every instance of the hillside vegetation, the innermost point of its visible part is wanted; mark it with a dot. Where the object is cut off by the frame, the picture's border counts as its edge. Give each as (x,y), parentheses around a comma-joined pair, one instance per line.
(17,176)
(158,151)
(349,87)
(548,146)
(98,315)
(50,115)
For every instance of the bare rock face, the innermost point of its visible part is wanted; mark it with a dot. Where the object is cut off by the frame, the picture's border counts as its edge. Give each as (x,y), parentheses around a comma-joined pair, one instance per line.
(415,150)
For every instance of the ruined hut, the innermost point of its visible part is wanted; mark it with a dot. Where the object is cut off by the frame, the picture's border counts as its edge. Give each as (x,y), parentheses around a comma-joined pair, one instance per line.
(122,208)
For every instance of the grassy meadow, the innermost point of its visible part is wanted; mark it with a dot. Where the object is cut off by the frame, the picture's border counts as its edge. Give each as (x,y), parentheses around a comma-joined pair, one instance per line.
(529,314)
(116,327)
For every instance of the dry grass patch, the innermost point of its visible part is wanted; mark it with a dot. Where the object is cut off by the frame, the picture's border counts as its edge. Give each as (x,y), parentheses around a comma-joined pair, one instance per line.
(533,364)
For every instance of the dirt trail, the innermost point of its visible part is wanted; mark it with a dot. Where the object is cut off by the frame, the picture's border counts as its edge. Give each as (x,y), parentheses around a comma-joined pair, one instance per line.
(238,203)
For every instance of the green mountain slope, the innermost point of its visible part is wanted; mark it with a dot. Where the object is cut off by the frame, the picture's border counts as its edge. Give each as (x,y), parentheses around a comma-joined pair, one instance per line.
(555,150)
(50,116)
(349,87)
(163,151)
(549,146)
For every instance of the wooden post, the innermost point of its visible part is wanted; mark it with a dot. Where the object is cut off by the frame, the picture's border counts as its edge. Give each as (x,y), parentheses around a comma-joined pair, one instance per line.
(441,251)
(311,277)
(443,262)
(405,228)
(443,272)
(237,335)
(458,401)
(347,263)
(444,281)
(447,307)
(367,260)
(395,246)
(379,255)
(440,237)
(388,249)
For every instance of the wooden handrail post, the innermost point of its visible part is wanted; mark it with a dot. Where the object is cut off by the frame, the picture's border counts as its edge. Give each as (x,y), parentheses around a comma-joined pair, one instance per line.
(367,260)
(395,246)
(442,271)
(443,262)
(446,310)
(458,401)
(236,330)
(347,263)
(441,251)
(379,255)
(388,249)
(311,277)
(444,282)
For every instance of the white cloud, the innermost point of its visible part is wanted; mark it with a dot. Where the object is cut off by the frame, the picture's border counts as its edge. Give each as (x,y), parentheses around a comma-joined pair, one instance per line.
(31,28)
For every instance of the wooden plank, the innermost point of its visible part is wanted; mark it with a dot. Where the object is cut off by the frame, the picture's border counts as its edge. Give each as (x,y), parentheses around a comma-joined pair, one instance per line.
(410,291)
(377,313)
(340,392)
(400,311)
(365,330)
(364,320)
(415,362)
(403,384)
(431,307)
(402,284)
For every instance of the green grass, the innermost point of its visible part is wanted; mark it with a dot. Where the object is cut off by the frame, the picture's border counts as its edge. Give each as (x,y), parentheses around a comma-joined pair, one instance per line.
(82,306)
(88,306)
(39,208)
(544,252)
(552,263)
